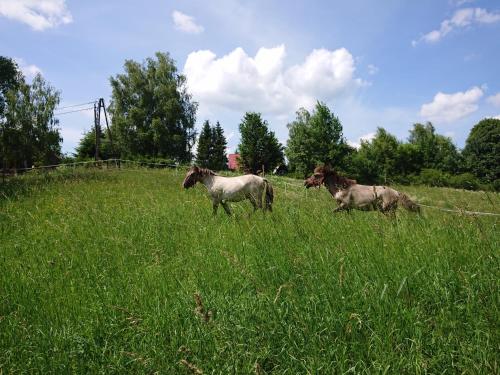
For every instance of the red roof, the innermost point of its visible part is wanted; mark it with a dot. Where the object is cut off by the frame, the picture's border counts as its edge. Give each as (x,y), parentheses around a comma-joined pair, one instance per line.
(233,161)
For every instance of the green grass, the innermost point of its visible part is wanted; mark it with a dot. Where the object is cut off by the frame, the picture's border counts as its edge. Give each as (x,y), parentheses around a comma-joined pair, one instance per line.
(98,272)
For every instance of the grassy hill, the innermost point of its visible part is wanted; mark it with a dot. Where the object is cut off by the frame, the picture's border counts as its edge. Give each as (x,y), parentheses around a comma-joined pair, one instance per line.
(124,271)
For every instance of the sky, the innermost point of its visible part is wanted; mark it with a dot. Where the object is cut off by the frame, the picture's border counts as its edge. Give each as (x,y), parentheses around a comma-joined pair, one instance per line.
(375,63)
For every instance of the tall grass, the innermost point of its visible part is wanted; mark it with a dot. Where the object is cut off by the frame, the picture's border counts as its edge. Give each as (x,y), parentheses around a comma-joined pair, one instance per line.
(99,275)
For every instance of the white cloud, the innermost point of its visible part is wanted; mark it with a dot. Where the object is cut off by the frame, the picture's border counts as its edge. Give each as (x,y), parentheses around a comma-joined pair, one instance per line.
(461,18)
(495,100)
(239,82)
(372,69)
(28,70)
(452,107)
(364,138)
(39,14)
(458,3)
(497,117)
(186,23)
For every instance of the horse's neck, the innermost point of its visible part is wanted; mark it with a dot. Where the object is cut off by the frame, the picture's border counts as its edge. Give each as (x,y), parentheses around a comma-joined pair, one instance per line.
(208,181)
(332,188)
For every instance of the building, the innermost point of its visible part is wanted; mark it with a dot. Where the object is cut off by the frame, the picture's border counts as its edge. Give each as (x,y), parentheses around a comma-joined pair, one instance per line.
(232,163)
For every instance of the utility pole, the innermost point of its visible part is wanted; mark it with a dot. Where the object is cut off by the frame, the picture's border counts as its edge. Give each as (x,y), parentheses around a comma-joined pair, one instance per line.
(98,105)
(97,128)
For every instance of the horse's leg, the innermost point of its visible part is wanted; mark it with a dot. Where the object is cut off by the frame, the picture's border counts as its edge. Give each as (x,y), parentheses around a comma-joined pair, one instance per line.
(342,206)
(258,198)
(226,208)
(389,208)
(215,206)
(252,200)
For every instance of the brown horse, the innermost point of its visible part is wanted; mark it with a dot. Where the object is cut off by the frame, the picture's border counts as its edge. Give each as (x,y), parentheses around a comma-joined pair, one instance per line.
(231,189)
(349,194)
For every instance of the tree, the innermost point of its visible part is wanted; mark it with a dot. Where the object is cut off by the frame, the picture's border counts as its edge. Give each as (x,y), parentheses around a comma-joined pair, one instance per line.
(218,159)
(10,78)
(383,152)
(86,146)
(436,151)
(482,150)
(408,160)
(376,160)
(315,139)
(259,147)
(29,130)
(211,148)
(204,146)
(153,115)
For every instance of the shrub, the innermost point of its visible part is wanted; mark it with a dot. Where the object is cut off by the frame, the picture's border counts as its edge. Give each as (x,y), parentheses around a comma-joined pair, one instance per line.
(434,177)
(464,181)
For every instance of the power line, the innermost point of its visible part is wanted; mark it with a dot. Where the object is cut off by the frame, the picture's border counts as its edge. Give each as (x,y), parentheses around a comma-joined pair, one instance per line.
(76,110)
(75,105)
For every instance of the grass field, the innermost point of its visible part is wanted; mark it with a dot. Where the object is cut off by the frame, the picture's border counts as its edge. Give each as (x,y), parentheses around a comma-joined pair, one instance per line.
(99,272)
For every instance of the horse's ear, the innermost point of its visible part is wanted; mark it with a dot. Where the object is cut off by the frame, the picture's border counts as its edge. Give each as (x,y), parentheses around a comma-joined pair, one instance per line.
(195,168)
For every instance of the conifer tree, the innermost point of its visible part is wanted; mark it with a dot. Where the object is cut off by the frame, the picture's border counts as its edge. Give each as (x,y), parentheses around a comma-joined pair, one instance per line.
(218,155)
(204,147)
(259,147)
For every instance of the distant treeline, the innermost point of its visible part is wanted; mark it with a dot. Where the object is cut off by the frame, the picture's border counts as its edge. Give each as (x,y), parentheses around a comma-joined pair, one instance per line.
(153,118)
(29,133)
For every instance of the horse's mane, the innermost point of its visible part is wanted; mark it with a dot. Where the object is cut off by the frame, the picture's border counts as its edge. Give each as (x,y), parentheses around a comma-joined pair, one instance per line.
(206,171)
(338,180)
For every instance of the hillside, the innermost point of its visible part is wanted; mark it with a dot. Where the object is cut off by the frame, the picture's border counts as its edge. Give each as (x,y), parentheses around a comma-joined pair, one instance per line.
(99,273)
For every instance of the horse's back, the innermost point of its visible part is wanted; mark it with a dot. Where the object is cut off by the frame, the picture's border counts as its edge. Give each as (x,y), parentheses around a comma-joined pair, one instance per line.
(239,187)
(362,194)
(385,191)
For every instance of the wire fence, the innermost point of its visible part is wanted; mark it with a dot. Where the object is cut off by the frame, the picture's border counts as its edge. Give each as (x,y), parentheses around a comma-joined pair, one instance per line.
(98,163)
(285,185)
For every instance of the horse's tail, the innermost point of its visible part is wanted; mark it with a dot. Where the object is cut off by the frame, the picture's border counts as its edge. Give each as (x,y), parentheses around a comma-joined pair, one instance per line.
(269,195)
(407,203)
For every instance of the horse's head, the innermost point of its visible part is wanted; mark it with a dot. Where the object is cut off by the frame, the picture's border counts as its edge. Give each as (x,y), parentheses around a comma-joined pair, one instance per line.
(196,174)
(315,180)
(329,177)
(193,176)
(318,177)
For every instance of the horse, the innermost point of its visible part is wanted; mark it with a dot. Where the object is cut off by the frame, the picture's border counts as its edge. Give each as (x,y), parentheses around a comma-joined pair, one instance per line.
(231,189)
(349,194)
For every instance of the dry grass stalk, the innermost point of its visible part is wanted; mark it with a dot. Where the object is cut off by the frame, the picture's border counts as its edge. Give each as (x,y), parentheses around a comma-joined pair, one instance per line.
(278,293)
(205,315)
(191,367)
(132,319)
(184,350)
(258,369)
(137,358)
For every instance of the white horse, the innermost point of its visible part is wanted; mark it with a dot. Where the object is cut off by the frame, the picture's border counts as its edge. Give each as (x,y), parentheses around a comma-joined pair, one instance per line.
(349,194)
(231,189)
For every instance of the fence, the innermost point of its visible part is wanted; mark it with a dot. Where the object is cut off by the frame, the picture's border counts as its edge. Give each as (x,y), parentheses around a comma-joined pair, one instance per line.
(117,163)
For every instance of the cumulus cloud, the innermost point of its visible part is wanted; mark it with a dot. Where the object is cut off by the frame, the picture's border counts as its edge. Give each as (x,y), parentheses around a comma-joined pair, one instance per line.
(458,3)
(39,14)
(495,100)
(461,18)
(239,82)
(28,70)
(372,69)
(186,23)
(452,107)
(364,138)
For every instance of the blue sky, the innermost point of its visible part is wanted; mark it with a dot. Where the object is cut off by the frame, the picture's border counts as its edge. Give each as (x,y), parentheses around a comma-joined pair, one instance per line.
(375,63)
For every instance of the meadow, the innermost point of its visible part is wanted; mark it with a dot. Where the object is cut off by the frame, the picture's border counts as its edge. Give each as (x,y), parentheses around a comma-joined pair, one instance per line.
(122,271)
